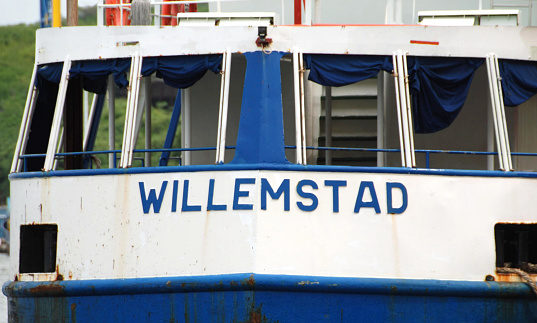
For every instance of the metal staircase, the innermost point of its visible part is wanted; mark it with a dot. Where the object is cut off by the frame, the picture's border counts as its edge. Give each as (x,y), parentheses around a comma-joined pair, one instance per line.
(354,124)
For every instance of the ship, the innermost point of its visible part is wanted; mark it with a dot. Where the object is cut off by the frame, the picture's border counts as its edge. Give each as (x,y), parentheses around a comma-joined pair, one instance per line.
(356,173)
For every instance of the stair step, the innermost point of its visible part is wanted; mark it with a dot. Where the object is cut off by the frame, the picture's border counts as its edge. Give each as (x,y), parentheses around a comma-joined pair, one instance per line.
(352,106)
(364,138)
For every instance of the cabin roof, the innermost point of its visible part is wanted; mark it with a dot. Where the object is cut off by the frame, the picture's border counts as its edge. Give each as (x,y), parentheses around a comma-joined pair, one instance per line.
(85,43)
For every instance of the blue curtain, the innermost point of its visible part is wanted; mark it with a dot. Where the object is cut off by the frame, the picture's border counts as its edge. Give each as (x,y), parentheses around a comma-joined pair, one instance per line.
(338,70)
(438,85)
(519,81)
(177,71)
(181,71)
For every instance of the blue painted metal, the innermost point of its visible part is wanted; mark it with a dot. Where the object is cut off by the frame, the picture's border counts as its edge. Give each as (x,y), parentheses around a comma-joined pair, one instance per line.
(260,138)
(269,298)
(172,129)
(46,13)
(273,167)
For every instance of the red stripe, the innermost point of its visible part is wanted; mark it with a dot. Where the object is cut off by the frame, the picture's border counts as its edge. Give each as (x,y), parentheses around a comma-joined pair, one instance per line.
(424,42)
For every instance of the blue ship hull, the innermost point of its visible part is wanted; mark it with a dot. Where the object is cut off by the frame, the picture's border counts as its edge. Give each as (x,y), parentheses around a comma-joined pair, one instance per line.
(269,298)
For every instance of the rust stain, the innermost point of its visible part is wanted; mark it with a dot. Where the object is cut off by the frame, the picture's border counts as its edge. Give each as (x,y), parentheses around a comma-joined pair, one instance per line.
(168,284)
(58,275)
(255,315)
(48,289)
(250,282)
(510,278)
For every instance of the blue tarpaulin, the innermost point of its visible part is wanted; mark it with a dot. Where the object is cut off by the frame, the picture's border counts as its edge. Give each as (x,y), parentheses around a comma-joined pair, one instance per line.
(177,71)
(519,81)
(338,70)
(181,71)
(438,85)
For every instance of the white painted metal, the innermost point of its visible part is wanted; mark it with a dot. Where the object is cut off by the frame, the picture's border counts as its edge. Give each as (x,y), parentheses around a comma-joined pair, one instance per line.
(500,120)
(58,113)
(223,111)
(317,11)
(225,106)
(302,70)
(128,112)
(111,120)
(408,111)
(221,106)
(25,124)
(403,106)
(100,13)
(492,94)
(505,134)
(470,17)
(298,109)
(131,113)
(307,18)
(500,127)
(112,42)
(211,19)
(396,77)
(417,244)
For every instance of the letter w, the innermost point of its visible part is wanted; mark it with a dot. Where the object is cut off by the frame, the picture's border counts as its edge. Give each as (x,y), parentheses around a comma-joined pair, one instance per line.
(152,198)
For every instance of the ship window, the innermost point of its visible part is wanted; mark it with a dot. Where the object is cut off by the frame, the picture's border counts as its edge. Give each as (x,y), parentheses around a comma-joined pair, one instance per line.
(516,245)
(38,248)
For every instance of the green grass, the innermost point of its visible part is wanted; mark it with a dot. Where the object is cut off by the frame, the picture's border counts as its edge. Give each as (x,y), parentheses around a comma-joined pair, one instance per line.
(17,45)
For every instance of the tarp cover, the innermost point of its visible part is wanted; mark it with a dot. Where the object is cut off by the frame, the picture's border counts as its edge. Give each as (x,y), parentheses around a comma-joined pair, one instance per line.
(519,81)
(177,71)
(338,70)
(438,85)
(181,71)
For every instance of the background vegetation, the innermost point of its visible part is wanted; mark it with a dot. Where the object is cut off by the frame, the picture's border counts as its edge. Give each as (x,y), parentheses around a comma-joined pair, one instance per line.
(17,46)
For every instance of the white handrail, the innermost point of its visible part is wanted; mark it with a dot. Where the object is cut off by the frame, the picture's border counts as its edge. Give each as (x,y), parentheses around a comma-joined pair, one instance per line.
(25,124)
(502,115)
(58,113)
(296,83)
(404,112)
(398,104)
(490,75)
(302,70)
(498,109)
(132,109)
(223,108)
(409,113)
